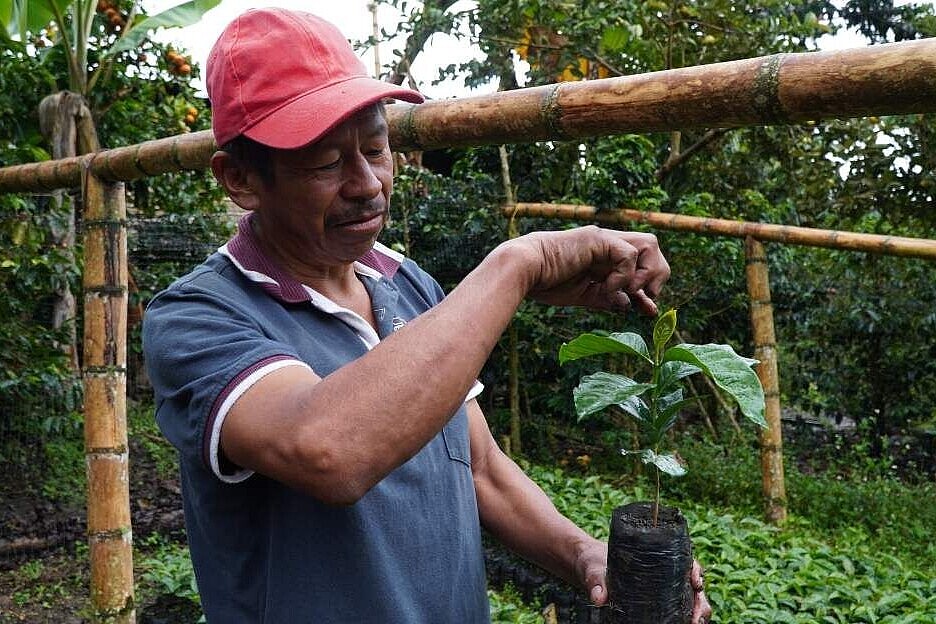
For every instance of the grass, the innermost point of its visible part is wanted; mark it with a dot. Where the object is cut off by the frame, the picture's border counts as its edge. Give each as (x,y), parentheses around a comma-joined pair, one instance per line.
(856,549)
(807,572)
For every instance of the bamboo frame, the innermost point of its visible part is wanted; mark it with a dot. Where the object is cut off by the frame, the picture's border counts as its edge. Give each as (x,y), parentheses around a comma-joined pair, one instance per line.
(811,237)
(896,78)
(765,350)
(105,382)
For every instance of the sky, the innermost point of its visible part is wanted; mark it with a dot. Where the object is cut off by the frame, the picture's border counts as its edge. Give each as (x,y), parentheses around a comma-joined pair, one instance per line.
(353,18)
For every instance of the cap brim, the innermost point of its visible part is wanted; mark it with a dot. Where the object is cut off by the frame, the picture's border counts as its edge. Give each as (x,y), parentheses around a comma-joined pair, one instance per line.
(308,118)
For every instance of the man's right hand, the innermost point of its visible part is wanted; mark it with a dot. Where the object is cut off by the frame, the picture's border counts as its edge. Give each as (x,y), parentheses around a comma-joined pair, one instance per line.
(594,267)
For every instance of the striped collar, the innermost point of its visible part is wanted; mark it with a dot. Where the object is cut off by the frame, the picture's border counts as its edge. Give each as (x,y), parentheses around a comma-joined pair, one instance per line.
(245,253)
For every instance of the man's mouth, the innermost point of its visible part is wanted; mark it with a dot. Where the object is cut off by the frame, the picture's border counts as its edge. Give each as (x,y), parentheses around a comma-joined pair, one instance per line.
(365,222)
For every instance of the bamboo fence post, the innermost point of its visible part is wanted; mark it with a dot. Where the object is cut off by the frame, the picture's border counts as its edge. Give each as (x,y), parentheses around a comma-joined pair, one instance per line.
(765,350)
(513,356)
(105,402)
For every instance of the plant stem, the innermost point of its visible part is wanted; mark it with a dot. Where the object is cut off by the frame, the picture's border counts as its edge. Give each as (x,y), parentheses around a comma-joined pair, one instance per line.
(656,504)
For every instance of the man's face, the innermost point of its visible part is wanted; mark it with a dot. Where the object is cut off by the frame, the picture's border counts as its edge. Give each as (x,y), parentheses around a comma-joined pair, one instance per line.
(330,199)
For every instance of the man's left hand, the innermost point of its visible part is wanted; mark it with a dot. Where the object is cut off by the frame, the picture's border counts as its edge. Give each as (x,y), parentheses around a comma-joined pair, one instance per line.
(701,609)
(592,563)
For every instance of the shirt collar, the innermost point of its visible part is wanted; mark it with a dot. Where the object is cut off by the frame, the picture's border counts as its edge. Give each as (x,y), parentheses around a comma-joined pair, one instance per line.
(245,252)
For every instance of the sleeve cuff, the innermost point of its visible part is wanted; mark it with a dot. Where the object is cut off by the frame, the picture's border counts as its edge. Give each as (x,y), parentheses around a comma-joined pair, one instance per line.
(476,390)
(240,385)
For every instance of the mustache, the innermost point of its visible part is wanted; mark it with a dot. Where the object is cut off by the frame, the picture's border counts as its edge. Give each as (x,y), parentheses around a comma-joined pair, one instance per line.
(361,211)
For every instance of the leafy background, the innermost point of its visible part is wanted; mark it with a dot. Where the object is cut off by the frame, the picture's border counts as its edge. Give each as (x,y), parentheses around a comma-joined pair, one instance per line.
(856,332)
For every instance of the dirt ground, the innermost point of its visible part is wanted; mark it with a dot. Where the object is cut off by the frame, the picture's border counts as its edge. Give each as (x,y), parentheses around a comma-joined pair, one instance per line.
(44,571)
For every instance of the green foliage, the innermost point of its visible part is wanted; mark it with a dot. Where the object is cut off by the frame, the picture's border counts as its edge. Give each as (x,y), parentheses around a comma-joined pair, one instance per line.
(138,100)
(142,428)
(656,404)
(758,573)
(445,223)
(31,587)
(781,174)
(832,489)
(507,607)
(64,478)
(166,568)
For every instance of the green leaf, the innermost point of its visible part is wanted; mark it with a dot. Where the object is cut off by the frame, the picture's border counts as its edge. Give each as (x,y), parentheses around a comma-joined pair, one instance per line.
(668,415)
(599,390)
(184,14)
(730,372)
(663,330)
(666,463)
(594,344)
(614,39)
(636,407)
(24,16)
(6,20)
(672,372)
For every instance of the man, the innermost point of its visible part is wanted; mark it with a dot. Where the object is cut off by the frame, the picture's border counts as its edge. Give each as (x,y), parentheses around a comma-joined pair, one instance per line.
(321,389)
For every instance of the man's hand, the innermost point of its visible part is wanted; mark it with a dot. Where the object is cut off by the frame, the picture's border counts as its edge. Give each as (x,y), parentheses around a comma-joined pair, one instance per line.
(592,563)
(596,268)
(701,609)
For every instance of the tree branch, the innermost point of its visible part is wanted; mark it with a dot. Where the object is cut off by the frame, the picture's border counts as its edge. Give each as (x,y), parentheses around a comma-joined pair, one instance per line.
(422,30)
(676,158)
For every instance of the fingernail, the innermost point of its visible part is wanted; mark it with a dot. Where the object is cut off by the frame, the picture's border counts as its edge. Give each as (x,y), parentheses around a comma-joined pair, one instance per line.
(596,593)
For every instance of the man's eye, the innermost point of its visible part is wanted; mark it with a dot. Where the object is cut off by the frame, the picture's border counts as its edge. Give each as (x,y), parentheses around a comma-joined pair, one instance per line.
(332,165)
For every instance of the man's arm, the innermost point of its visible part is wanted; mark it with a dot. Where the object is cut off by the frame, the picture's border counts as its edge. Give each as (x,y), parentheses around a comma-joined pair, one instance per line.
(336,437)
(520,515)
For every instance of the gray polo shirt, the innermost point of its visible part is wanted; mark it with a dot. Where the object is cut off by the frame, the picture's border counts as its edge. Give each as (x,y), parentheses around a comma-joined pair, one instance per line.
(409,551)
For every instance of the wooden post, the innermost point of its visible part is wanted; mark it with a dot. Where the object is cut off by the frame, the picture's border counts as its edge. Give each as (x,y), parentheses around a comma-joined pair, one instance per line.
(513,356)
(105,407)
(765,350)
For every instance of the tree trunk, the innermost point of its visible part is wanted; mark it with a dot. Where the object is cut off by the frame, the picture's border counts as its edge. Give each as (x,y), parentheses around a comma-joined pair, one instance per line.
(66,124)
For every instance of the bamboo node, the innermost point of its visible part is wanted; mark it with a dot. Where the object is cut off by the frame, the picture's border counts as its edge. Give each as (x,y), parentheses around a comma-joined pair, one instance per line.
(105,370)
(124,534)
(139,165)
(408,133)
(766,89)
(551,112)
(114,452)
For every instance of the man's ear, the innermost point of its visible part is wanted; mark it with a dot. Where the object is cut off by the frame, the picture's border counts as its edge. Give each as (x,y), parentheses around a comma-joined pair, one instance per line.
(240,184)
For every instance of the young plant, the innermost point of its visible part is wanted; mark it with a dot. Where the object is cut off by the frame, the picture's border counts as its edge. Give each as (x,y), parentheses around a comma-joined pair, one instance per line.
(655,404)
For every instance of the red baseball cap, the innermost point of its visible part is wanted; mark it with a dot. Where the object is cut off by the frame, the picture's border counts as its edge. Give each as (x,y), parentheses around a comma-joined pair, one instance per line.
(285,78)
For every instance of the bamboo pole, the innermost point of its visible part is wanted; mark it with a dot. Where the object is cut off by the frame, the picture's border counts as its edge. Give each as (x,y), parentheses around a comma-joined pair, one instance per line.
(765,350)
(105,402)
(890,79)
(896,78)
(791,235)
(177,153)
(513,356)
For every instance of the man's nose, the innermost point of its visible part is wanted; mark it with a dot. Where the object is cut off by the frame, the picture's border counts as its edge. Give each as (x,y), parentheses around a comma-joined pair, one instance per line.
(361,180)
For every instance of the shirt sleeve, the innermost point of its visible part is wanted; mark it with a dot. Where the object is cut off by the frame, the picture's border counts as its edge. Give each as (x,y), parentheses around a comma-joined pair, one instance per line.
(203,349)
